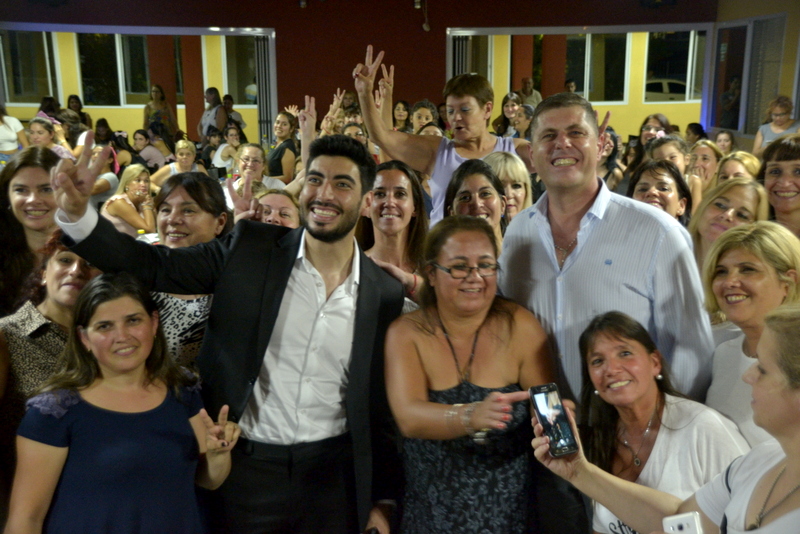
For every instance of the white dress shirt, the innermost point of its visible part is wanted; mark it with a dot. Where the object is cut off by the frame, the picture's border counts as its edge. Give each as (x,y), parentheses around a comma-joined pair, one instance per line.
(300,393)
(630,257)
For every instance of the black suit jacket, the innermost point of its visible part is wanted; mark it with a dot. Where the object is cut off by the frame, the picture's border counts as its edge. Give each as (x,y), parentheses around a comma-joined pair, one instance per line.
(247,272)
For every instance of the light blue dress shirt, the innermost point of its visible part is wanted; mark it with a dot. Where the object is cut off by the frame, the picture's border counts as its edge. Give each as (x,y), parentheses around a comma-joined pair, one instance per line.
(630,257)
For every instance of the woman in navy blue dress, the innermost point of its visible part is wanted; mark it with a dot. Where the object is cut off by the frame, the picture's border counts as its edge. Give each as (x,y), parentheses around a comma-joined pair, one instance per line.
(118,439)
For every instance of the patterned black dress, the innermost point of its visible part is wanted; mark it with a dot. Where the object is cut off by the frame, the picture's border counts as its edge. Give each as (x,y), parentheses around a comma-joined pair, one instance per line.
(458,486)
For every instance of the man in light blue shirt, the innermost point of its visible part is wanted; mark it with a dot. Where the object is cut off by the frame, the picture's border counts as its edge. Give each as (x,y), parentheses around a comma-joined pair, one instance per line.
(582,250)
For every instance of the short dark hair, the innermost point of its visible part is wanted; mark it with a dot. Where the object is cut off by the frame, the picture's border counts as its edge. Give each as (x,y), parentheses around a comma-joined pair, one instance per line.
(469,84)
(426,104)
(346,147)
(203,189)
(784,148)
(669,168)
(565,100)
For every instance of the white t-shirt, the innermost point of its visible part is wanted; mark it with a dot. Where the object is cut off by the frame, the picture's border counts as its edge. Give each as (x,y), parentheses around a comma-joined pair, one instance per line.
(729,395)
(99,199)
(693,444)
(218,162)
(8,133)
(82,141)
(717,500)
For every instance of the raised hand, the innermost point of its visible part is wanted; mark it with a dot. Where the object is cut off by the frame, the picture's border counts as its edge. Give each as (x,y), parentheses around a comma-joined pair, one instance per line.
(307,117)
(337,102)
(72,182)
(378,97)
(241,204)
(292,110)
(364,73)
(386,85)
(221,436)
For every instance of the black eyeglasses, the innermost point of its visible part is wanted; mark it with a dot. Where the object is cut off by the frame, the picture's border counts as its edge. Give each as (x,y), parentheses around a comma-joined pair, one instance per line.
(461,271)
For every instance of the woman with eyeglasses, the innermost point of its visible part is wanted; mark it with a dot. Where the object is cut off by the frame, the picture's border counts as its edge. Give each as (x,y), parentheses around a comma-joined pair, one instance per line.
(777,123)
(457,371)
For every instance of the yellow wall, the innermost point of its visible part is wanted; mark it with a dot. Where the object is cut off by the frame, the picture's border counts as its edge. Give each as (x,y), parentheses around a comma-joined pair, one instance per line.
(131,118)
(501,71)
(729,10)
(626,118)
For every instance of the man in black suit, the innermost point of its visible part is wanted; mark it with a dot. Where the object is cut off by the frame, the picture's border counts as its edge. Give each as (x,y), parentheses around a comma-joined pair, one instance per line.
(294,345)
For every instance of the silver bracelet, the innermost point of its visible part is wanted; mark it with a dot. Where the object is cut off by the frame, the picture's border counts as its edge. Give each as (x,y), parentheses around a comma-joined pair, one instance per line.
(451,414)
(478,436)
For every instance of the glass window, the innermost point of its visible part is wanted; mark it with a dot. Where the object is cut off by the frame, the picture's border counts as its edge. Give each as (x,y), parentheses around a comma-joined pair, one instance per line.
(765,70)
(607,67)
(137,72)
(667,62)
(25,59)
(699,59)
(727,89)
(99,74)
(240,53)
(576,60)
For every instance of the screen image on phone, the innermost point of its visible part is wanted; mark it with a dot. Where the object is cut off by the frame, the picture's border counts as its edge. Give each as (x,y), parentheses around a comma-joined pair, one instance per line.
(551,415)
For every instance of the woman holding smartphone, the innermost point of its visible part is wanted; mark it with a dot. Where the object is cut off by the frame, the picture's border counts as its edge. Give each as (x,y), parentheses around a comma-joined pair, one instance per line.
(757,492)
(636,426)
(457,374)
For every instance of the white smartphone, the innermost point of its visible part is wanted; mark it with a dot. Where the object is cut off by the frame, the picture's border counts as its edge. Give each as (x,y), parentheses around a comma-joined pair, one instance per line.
(688,523)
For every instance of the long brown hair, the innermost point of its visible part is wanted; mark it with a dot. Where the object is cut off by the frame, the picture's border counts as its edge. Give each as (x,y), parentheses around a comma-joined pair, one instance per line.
(17,260)
(79,368)
(598,419)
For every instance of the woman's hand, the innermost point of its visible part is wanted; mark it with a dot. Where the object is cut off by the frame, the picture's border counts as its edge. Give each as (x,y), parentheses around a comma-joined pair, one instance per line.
(564,466)
(292,110)
(221,436)
(409,280)
(241,203)
(494,412)
(73,182)
(252,214)
(364,74)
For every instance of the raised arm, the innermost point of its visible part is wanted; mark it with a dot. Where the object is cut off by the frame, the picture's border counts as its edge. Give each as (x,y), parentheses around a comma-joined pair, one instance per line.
(418,151)
(385,92)
(216,440)
(73,182)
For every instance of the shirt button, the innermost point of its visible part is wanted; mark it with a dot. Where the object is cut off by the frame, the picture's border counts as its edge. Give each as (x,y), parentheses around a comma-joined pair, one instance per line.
(558,316)
(308,380)
(319,284)
(558,279)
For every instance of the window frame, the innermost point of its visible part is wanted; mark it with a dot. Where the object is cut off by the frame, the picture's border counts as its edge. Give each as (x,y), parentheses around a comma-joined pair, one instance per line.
(690,70)
(52,68)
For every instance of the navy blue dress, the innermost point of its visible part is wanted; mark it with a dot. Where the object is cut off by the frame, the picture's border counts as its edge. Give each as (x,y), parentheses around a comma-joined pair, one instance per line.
(458,486)
(126,473)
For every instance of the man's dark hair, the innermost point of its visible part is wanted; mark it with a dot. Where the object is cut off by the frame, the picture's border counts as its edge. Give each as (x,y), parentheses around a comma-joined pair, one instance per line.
(565,100)
(341,145)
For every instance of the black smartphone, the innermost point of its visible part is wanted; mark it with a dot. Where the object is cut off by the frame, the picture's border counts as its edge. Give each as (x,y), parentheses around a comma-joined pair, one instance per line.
(551,415)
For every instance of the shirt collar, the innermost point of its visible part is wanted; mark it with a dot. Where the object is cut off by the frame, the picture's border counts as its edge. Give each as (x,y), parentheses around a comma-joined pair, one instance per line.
(597,210)
(355,269)
(33,320)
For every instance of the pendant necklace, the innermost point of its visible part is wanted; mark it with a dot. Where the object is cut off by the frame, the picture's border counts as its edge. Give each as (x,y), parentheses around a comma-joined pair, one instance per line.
(636,461)
(764,513)
(464,377)
(564,250)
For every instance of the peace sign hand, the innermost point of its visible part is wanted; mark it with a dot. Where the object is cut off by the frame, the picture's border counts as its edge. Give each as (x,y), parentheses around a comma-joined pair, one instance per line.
(364,73)
(221,436)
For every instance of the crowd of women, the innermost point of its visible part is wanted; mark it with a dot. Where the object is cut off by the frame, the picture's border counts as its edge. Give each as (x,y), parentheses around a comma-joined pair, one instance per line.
(458,362)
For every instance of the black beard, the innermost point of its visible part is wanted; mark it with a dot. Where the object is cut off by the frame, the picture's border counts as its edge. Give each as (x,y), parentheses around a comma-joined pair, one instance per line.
(334,233)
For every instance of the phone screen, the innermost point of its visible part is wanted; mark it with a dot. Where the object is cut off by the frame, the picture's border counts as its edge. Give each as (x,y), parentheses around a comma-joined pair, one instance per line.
(553,418)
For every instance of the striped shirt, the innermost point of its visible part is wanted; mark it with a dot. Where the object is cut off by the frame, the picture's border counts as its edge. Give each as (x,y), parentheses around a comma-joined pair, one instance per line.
(630,257)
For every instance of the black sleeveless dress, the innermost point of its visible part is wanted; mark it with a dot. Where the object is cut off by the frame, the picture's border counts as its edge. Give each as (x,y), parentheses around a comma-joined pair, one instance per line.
(458,486)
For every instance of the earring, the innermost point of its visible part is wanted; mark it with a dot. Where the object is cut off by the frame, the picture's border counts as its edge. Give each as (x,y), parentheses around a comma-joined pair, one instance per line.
(659,376)
(596,392)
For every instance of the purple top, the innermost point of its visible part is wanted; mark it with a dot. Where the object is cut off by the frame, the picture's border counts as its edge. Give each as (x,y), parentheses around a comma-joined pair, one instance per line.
(447,161)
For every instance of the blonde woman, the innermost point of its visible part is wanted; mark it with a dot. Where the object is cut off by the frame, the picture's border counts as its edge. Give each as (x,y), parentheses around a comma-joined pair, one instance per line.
(732,203)
(738,164)
(131,208)
(516,181)
(750,271)
(185,153)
